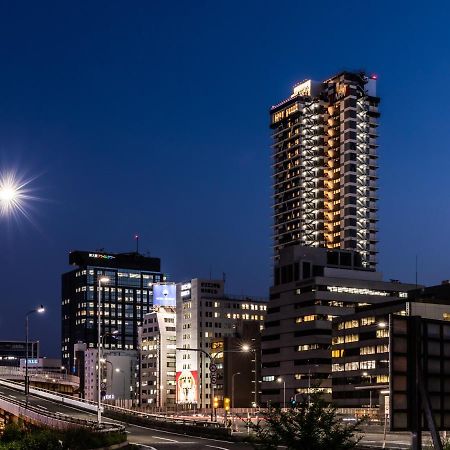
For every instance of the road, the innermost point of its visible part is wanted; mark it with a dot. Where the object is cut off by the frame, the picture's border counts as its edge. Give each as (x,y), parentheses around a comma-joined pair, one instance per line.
(153,439)
(148,438)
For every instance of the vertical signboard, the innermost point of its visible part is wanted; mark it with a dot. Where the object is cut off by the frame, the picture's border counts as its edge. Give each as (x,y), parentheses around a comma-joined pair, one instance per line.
(187,386)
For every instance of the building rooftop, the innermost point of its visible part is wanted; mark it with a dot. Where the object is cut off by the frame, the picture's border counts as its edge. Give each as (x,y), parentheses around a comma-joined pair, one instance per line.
(132,260)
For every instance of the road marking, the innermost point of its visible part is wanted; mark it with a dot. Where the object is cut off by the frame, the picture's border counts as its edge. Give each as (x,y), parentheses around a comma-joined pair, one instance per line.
(166,439)
(215,446)
(142,445)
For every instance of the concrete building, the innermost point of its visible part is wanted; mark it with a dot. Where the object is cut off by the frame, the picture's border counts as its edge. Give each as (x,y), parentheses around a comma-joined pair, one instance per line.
(325,165)
(125,298)
(205,316)
(119,377)
(360,348)
(158,353)
(313,286)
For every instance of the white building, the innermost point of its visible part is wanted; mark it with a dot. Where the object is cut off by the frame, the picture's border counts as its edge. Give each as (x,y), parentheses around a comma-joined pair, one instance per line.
(158,344)
(119,376)
(205,314)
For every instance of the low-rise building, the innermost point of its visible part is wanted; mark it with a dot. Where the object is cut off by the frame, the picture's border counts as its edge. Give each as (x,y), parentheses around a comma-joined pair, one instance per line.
(11,352)
(119,377)
(360,347)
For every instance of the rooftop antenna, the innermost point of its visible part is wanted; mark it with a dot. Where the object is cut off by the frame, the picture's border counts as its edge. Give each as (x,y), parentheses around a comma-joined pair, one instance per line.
(416,271)
(136,237)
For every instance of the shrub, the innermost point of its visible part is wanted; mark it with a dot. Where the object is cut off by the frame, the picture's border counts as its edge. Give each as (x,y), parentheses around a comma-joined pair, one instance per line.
(311,425)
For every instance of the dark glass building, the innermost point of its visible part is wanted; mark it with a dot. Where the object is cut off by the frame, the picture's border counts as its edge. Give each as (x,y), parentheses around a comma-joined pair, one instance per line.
(126,297)
(11,352)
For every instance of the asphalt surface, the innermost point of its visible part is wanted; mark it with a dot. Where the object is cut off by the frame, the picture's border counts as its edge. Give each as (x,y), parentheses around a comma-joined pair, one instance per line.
(153,439)
(148,438)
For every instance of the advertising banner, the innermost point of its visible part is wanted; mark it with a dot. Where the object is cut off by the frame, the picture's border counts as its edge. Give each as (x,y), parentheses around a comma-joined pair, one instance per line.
(165,295)
(187,386)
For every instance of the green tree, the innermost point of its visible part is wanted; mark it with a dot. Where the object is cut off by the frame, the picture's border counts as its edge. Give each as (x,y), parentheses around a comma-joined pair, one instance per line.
(310,425)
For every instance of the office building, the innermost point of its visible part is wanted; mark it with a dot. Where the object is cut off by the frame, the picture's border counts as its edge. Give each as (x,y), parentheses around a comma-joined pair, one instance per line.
(360,348)
(325,166)
(158,353)
(11,352)
(205,316)
(119,376)
(313,286)
(125,298)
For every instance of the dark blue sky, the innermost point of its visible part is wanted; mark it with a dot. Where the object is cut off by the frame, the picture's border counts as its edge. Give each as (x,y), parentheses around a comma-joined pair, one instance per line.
(152,117)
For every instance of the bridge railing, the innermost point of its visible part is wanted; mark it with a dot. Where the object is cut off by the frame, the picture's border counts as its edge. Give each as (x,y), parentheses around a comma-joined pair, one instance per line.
(43,376)
(51,419)
(92,406)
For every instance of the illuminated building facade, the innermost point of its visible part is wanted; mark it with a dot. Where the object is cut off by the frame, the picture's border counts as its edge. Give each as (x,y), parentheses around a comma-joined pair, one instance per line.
(360,347)
(158,352)
(325,166)
(125,299)
(313,286)
(205,317)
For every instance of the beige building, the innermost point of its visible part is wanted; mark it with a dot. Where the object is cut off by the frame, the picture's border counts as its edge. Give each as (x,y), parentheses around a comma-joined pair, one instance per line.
(206,315)
(158,343)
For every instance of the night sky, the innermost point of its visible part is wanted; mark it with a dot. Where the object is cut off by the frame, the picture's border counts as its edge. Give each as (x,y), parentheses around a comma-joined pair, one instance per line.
(152,117)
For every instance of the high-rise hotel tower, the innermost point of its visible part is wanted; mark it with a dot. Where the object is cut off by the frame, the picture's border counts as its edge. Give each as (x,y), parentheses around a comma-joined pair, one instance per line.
(325,165)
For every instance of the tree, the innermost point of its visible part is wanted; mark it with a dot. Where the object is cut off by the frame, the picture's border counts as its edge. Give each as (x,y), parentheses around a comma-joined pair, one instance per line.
(310,425)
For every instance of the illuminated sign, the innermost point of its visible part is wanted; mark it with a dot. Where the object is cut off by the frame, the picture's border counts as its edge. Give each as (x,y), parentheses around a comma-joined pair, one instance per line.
(187,386)
(164,295)
(99,256)
(33,361)
(303,88)
(341,91)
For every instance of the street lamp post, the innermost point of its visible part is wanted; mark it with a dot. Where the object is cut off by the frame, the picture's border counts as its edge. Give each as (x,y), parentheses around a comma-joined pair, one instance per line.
(39,310)
(99,343)
(247,348)
(232,388)
(281,380)
(232,395)
(366,374)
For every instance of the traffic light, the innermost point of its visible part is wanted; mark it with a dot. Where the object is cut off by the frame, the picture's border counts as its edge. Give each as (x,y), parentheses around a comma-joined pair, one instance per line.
(216,402)
(226,403)
(293,402)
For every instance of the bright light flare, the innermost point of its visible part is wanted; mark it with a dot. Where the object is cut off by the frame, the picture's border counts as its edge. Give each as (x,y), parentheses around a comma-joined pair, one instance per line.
(15,195)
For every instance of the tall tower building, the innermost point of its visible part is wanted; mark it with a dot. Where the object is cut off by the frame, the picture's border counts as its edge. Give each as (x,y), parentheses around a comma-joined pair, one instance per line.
(325,166)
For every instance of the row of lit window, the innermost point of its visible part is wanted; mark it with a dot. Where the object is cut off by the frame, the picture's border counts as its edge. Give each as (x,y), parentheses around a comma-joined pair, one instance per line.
(365,321)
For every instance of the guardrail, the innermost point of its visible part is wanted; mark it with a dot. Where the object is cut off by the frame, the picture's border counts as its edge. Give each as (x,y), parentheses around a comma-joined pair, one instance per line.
(51,419)
(45,377)
(183,424)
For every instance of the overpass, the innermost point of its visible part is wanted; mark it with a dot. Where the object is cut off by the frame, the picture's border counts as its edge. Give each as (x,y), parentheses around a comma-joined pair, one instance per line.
(54,381)
(62,411)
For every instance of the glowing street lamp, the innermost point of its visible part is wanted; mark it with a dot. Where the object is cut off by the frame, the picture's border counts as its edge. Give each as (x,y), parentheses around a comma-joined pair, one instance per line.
(38,310)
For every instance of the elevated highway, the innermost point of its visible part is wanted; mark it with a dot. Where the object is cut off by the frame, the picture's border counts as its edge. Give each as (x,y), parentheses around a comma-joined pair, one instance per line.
(60,406)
